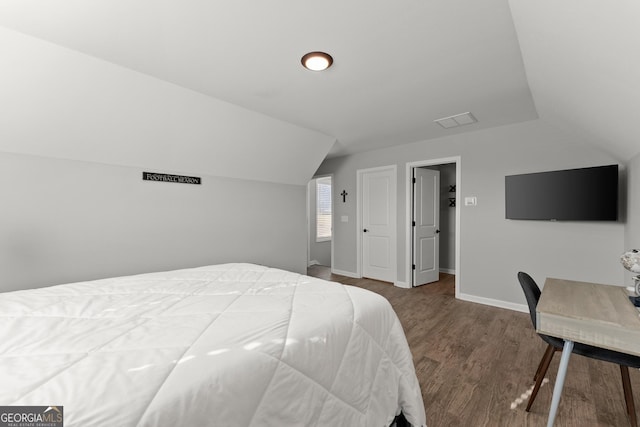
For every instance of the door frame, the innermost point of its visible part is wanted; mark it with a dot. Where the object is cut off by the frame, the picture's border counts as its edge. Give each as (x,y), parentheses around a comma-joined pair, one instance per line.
(394,219)
(409,215)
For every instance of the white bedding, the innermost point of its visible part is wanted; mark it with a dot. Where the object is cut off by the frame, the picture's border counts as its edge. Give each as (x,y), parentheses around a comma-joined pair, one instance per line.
(224,345)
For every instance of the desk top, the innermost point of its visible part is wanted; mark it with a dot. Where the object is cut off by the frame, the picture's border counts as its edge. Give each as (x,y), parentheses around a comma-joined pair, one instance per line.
(590,313)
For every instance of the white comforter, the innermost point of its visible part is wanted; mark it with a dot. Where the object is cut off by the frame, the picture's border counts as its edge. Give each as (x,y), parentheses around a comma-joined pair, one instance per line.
(225,345)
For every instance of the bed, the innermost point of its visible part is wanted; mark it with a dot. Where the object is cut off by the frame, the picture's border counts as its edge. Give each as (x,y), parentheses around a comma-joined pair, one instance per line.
(222,345)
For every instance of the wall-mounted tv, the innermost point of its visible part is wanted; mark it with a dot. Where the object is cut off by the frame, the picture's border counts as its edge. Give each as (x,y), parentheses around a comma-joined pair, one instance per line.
(586,194)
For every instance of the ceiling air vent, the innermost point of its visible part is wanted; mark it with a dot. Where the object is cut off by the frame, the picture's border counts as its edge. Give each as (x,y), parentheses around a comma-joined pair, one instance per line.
(457,120)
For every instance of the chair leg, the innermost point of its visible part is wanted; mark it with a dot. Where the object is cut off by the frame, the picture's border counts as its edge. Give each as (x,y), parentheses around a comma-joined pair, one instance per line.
(549,349)
(542,371)
(628,396)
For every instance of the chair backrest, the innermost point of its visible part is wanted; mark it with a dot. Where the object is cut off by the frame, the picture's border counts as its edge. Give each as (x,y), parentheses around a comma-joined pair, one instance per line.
(531,292)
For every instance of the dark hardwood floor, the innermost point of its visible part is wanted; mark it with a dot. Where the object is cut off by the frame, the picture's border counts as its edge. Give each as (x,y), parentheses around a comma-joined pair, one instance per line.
(473,361)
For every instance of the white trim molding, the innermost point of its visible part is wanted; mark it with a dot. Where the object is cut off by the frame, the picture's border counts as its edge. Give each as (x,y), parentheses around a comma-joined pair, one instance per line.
(402,284)
(345,273)
(494,302)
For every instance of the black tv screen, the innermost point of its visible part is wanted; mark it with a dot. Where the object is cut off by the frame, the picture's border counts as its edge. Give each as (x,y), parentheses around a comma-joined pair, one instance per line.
(586,194)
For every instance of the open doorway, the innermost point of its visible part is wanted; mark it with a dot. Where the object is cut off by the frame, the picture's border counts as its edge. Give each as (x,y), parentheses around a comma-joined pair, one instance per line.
(320,221)
(433,238)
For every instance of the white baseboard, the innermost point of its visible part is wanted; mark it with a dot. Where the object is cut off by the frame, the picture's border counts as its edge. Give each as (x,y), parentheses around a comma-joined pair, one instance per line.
(312,262)
(494,303)
(465,297)
(407,285)
(345,273)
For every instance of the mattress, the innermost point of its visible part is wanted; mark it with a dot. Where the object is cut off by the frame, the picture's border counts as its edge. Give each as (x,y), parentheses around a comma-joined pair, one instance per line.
(222,345)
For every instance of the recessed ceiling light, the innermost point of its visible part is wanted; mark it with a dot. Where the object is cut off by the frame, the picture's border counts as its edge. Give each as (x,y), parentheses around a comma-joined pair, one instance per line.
(317,61)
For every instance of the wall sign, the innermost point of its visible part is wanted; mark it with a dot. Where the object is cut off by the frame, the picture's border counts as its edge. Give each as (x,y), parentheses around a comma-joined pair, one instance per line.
(163,177)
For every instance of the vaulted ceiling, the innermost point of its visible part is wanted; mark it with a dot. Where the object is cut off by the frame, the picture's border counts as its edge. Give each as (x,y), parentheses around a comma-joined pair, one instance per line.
(399,65)
(582,59)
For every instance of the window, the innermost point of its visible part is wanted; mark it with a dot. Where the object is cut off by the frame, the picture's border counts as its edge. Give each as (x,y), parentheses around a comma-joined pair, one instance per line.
(323,209)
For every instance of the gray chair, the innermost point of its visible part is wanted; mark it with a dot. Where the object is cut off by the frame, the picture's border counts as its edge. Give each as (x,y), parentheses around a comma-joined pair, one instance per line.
(625,361)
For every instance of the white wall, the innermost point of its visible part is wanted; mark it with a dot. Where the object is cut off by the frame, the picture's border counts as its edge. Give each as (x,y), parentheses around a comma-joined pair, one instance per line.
(67,215)
(494,249)
(632,232)
(64,221)
(56,102)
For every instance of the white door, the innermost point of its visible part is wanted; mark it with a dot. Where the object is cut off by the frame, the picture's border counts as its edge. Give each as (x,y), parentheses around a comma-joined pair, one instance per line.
(379,224)
(426,226)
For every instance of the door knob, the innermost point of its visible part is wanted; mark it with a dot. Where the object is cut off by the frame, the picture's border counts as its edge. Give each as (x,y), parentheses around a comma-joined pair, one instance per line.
(365,230)
(437,231)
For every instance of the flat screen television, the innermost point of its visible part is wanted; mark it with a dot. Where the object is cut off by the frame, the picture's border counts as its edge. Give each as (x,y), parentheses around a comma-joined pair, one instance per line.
(586,194)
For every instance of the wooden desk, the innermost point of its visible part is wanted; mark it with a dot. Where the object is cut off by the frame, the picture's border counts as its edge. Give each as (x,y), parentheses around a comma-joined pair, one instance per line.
(589,313)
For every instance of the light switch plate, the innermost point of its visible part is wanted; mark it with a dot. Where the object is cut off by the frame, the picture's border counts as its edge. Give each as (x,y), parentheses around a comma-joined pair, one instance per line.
(470,201)
(344,218)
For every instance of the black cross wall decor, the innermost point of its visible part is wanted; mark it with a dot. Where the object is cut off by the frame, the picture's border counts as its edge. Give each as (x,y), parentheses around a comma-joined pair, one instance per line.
(344,196)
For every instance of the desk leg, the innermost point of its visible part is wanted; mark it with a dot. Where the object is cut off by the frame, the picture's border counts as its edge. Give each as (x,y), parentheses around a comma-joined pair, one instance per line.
(557,389)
